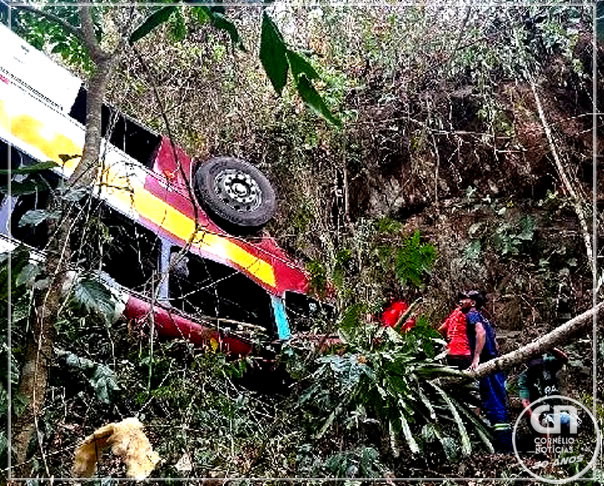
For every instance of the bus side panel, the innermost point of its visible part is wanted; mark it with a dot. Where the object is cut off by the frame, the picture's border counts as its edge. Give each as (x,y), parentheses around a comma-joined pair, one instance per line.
(47,134)
(32,68)
(171,325)
(174,165)
(289,277)
(263,260)
(38,130)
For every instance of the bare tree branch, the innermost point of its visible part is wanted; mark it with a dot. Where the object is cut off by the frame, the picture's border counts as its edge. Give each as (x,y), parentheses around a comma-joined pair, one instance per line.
(48,302)
(577,201)
(560,335)
(89,36)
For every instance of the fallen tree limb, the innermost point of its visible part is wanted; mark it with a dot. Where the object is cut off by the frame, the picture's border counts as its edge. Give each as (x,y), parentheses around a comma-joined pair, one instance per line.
(558,336)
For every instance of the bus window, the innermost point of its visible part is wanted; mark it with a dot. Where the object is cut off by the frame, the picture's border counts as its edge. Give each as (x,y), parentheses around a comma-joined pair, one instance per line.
(210,290)
(33,235)
(124,133)
(302,309)
(132,254)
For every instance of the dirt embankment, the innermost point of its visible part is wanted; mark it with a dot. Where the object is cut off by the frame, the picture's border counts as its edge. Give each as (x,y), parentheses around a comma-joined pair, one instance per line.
(486,189)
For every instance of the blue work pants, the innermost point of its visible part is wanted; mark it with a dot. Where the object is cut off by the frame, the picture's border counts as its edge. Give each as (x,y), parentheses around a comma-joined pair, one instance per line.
(494,403)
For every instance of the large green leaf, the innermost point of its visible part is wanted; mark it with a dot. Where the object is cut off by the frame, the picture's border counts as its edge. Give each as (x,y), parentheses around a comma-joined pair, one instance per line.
(221,22)
(18,259)
(25,187)
(313,99)
(30,169)
(411,442)
(34,217)
(273,54)
(70,194)
(3,438)
(436,370)
(300,65)
(328,422)
(93,296)
(466,444)
(425,400)
(393,439)
(414,259)
(100,376)
(216,16)
(276,59)
(104,382)
(28,274)
(156,18)
(479,426)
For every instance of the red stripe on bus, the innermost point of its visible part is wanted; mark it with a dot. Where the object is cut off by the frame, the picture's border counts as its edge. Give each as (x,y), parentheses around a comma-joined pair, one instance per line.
(172,325)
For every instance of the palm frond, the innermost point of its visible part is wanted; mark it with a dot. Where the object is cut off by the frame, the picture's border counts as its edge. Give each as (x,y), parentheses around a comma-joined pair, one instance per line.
(466,444)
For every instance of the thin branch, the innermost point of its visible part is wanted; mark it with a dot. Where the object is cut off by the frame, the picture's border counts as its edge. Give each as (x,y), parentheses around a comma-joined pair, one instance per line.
(171,139)
(576,199)
(459,37)
(89,35)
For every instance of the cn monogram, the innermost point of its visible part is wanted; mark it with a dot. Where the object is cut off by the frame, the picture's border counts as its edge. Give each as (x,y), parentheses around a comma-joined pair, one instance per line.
(556,428)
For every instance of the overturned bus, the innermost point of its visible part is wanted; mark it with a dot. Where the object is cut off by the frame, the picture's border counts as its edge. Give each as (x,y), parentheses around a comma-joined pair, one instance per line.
(175,225)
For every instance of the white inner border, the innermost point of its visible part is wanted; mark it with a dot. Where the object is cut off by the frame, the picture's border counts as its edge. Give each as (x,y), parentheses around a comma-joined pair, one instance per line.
(344,3)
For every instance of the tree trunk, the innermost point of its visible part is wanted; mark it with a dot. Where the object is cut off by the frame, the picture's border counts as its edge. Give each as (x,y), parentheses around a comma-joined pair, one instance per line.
(34,373)
(86,171)
(560,335)
(47,302)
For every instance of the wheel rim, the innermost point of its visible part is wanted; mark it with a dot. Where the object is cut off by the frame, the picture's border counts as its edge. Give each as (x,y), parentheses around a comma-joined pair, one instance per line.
(238,190)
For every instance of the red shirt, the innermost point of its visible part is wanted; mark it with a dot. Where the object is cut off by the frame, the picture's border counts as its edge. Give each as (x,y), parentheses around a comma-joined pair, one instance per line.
(455,327)
(393,313)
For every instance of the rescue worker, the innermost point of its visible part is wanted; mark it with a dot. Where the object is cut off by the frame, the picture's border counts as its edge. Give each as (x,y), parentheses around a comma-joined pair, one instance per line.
(483,348)
(540,379)
(394,310)
(458,345)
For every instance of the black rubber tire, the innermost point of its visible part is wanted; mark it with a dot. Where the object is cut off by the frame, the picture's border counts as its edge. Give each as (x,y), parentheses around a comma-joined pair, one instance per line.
(227,209)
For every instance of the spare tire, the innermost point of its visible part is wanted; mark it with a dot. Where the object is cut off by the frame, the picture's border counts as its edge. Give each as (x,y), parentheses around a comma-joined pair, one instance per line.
(235,192)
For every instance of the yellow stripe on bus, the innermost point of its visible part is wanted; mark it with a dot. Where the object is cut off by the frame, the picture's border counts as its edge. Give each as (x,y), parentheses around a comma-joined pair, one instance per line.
(183,227)
(127,193)
(30,131)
